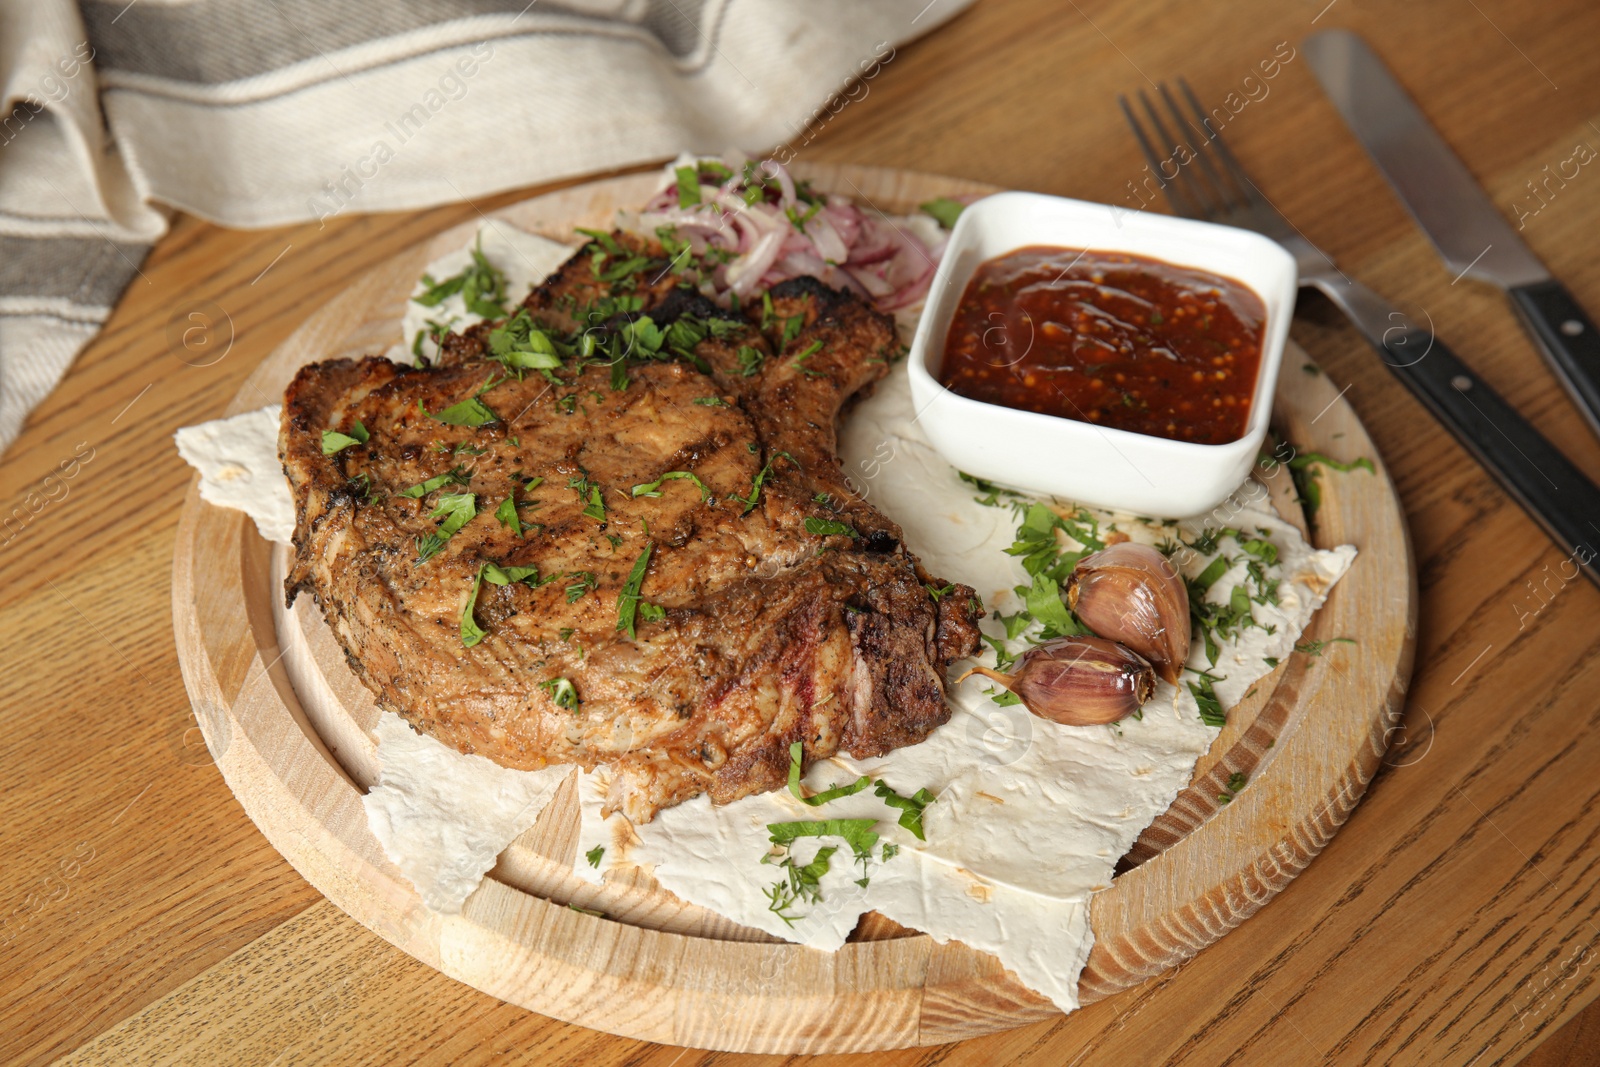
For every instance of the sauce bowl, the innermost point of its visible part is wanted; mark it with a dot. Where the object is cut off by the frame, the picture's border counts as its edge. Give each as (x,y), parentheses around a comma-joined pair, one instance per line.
(1081,461)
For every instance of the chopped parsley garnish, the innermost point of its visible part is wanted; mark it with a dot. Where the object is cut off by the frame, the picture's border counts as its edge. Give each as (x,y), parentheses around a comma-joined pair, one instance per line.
(1305,479)
(470,412)
(1236,781)
(596,507)
(438,481)
(519,345)
(334,441)
(507,514)
(628,599)
(994,492)
(750,360)
(688,186)
(792,327)
(481,285)
(795,752)
(583,582)
(1003,657)
(1043,602)
(910,807)
(800,883)
(471,632)
(653,489)
(594,854)
(944,209)
(761,479)
(890,851)
(857,833)
(456,509)
(496,574)
(1040,551)
(562,692)
(1211,712)
(799,361)
(939,594)
(1315,648)
(1212,622)
(829,528)
(803,883)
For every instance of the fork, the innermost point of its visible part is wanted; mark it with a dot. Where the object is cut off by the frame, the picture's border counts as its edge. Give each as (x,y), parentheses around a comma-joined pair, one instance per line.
(1212,185)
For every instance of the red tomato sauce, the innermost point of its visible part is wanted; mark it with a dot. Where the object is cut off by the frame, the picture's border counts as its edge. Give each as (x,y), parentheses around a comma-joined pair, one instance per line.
(1110,339)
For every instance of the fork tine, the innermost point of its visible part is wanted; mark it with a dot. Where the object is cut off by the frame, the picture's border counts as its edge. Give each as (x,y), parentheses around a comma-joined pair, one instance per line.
(1180,203)
(1191,183)
(1202,156)
(1236,171)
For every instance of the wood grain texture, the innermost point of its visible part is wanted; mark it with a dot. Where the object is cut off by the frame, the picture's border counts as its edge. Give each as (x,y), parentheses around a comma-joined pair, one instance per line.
(1451,921)
(287,722)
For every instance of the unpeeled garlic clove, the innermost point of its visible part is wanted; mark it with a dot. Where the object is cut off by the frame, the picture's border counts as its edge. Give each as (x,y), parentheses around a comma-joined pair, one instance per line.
(1134,595)
(1079,681)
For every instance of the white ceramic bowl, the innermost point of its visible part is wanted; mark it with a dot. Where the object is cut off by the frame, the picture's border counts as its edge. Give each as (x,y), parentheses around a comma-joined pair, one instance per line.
(1081,461)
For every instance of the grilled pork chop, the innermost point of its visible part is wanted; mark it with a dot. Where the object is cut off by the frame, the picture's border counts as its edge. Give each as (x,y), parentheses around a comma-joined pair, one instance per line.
(646,557)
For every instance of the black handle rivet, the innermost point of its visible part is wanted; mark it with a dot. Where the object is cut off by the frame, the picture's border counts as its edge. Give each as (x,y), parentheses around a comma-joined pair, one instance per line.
(1461,383)
(1572,327)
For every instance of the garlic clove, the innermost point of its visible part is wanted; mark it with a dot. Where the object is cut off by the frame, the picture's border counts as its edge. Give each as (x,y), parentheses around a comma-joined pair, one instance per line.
(1134,595)
(1079,681)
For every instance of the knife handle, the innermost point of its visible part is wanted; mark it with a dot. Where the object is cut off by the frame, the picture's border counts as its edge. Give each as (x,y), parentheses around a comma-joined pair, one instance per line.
(1570,341)
(1533,471)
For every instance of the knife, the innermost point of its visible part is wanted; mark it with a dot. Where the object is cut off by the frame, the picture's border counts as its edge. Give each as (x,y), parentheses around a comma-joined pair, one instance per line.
(1470,234)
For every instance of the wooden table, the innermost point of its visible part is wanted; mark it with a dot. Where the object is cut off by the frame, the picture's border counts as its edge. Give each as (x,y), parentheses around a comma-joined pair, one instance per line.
(1452,921)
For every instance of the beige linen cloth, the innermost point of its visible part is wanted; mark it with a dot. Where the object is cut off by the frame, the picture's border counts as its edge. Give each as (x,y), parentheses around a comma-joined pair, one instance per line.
(265,112)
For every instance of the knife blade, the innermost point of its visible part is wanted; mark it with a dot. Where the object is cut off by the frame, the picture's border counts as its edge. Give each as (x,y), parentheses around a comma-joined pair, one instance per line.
(1468,231)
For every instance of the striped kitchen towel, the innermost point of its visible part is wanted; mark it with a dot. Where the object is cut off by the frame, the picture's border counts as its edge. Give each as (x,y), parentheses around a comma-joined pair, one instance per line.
(266,112)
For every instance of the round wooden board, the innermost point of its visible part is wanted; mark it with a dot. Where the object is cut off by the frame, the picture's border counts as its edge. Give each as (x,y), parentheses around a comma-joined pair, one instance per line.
(287,723)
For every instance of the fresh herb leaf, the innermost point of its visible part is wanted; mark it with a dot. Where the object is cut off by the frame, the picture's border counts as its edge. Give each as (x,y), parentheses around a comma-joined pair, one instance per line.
(649,612)
(944,209)
(334,441)
(1316,648)
(799,360)
(1205,696)
(438,481)
(761,479)
(585,581)
(857,833)
(712,402)
(829,528)
(653,489)
(456,509)
(750,360)
(890,851)
(628,599)
(469,412)
(594,855)
(938,594)
(507,514)
(495,574)
(795,751)
(688,186)
(562,692)
(471,632)
(1043,601)
(481,285)
(910,807)
(994,492)
(596,508)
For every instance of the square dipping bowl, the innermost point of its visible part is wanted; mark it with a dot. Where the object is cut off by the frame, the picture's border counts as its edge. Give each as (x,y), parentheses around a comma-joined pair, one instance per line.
(1082,461)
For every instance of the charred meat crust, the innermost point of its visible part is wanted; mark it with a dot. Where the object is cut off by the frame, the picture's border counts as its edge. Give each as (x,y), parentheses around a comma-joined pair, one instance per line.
(758,633)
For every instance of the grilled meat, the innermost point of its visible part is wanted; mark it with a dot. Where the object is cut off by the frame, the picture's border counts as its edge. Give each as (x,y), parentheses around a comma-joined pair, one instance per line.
(672,577)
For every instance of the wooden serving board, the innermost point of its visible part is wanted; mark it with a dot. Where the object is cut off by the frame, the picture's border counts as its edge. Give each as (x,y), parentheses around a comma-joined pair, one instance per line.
(288,724)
